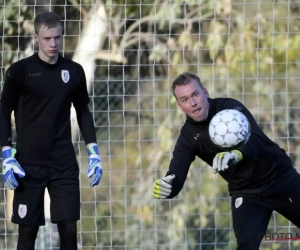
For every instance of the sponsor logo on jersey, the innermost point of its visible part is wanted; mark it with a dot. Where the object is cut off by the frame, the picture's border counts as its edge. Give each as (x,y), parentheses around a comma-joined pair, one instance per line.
(34,74)
(65,76)
(238,202)
(238,108)
(22,211)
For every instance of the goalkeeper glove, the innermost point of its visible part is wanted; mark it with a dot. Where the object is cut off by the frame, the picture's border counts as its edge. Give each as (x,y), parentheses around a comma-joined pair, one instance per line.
(10,168)
(162,188)
(95,165)
(222,160)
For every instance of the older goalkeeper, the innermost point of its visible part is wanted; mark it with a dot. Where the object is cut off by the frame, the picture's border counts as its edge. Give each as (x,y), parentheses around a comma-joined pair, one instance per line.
(260,175)
(40,90)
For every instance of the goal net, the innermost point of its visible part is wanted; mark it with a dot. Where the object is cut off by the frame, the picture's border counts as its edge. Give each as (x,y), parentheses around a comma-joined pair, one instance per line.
(131,50)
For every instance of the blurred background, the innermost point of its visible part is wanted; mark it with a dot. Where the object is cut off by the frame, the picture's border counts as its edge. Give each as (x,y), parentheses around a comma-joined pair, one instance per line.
(131,50)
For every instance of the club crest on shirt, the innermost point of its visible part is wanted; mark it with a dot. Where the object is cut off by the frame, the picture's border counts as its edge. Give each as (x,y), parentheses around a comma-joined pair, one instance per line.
(65,76)
(238,202)
(22,210)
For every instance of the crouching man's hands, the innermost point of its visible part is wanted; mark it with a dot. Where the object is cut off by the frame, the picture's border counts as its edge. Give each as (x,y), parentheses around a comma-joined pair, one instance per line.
(162,188)
(223,160)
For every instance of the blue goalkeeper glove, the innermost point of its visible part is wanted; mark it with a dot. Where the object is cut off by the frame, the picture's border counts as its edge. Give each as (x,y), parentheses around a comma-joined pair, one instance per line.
(95,165)
(10,168)
(162,188)
(223,160)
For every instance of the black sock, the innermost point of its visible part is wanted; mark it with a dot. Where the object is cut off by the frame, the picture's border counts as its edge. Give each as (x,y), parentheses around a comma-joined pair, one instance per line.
(27,237)
(68,234)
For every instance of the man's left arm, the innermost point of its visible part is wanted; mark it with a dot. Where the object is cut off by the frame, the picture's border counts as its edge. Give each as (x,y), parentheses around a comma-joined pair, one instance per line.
(85,121)
(246,152)
(87,128)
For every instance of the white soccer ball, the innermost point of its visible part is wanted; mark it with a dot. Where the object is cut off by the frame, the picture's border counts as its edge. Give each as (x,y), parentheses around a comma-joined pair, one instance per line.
(229,129)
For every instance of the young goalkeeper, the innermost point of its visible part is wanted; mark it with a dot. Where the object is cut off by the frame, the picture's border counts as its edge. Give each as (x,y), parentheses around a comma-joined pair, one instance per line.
(40,90)
(261,180)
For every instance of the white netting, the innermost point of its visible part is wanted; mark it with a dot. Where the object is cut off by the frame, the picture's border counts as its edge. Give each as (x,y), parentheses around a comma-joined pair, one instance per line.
(131,51)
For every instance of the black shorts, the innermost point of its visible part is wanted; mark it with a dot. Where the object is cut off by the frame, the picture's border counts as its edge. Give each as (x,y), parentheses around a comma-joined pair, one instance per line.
(64,191)
(251,215)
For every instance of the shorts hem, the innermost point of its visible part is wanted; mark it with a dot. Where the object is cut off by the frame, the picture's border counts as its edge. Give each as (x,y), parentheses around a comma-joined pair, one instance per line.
(28,223)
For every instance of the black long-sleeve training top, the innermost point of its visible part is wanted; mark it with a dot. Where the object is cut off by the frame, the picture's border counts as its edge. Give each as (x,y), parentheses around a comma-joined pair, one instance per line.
(41,95)
(264,169)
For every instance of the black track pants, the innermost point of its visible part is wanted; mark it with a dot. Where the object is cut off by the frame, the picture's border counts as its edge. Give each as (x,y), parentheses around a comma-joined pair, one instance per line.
(251,215)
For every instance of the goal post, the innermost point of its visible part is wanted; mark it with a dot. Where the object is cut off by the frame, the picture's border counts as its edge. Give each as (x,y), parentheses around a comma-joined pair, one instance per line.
(131,51)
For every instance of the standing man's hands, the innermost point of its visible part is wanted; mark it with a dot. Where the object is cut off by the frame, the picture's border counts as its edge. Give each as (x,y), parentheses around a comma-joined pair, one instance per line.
(95,164)
(11,167)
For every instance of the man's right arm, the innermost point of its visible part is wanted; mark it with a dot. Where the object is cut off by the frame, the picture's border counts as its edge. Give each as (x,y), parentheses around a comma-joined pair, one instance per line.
(8,103)
(171,185)
(5,126)
(179,167)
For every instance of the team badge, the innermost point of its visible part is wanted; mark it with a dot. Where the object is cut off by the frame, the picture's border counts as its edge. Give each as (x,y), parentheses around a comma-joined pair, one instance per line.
(65,76)
(22,210)
(238,202)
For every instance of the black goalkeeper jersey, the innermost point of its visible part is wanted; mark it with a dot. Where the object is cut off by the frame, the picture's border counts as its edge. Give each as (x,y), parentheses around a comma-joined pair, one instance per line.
(265,166)
(41,96)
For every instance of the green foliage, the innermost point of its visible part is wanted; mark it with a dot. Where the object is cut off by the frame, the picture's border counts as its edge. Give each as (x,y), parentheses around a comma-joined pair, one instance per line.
(15,23)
